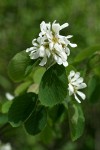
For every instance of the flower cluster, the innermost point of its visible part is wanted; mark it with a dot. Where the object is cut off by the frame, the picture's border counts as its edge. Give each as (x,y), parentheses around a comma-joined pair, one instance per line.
(75,84)
(50,44)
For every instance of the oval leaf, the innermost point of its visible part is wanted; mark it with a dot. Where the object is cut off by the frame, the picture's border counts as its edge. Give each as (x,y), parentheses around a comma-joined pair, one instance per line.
(21,108)
(53,86)
(76,120)
(20,66)
(37,121)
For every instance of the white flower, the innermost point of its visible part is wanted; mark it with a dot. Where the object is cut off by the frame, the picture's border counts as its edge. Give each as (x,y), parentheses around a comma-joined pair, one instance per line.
(6,147)
(9,96)
(75,84)
(51,44)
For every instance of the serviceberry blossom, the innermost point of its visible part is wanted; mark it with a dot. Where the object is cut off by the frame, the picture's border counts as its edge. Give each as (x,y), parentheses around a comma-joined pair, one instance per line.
(6,147)
(50,44)
(76,84)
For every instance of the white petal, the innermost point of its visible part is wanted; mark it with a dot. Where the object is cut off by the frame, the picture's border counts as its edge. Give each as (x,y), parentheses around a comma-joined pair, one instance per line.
(48,52)
(57,47)
(33,41)
(69,36)
(33,50)
(82,95)
(67,50)
(43,62)
(48,25)
(71,88)
(58,59)
(81,86)
(9,96)
(39,39)
(80,80)
(66,40)
(63,56)
(51,45)
(77,98)
(49,35)
(41,51)
(29,49)
(76,76)
(43,26)
(75,83)
(72,73)
(65,63)
(34,55)
(64,26)
(70,93)
(73,45)
(62,40)
(55,57)
(40,34)
(54,21)
(56,27)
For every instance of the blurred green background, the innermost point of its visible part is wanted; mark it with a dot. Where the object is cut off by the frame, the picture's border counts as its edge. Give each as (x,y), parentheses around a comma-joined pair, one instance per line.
(19,24)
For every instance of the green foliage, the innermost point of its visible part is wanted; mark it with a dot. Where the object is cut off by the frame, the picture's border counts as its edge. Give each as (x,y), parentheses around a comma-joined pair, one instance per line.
(33,88)
(4,82)
(38,74)
(21,108)
(91,86)
(53,86)
(76,120)
(22,87)
(69,68)
(87,53)
(93,93)
(47,135)
(56,112)
(20,66)
(36,121)
(19,25)
(3,119)
(6,106)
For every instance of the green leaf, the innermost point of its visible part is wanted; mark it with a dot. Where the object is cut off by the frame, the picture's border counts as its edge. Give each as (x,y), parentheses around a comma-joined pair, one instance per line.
(20,66)
(34,88)
(3,119)
(95,94)
(53,86)
(47,136)
(21,108)
(56,112)
(37,121)
(38,74)
(76,120)
(86,53)
(91,86)
(5,83)
(22,87)
(6,106)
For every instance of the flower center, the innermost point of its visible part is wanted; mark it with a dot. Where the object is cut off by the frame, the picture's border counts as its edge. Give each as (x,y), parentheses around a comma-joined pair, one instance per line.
(55,40)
